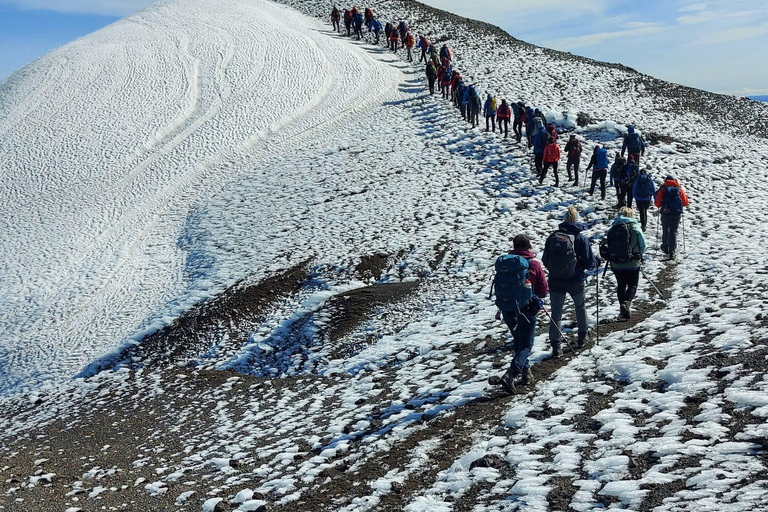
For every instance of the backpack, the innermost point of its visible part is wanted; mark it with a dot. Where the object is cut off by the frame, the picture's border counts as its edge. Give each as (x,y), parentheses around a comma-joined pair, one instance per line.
(634,144)
(629,175)
(644,186)
(616,247)
(671,202)
(493,105)
(513,291)
(561,255)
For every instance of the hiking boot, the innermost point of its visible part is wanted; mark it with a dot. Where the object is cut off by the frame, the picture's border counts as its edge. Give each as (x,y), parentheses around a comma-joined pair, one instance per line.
(623,312)
(506,381)
(628,308)
(556,352)
(527,377)
(582,340)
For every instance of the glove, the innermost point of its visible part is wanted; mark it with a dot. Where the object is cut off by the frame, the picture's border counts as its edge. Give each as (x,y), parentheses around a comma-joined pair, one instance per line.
(532,307)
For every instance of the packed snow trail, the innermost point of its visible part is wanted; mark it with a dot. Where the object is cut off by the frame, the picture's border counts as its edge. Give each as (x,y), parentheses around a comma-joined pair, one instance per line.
(111,142)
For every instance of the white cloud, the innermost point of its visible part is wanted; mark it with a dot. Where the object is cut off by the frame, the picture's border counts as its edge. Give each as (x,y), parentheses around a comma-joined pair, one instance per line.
(102,7)
(693,7)
(699,17)
(732,34)
(569,43)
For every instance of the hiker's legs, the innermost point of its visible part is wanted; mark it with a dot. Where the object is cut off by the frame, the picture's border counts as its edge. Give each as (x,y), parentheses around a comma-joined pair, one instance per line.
(554,170)
(538,161)
(523,343)
(642,208)
(669,225)
(557,299)
(595,176)
(602,174)
(626,284)
(517,128)
(629,196)
(488,123)
(579,303)
(432,86)
(506,127)
(410,57)
(576,163)
(637,158)
(493,123)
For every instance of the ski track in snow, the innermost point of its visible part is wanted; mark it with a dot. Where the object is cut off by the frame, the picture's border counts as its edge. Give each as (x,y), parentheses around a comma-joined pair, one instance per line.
(93,211)
(454,186)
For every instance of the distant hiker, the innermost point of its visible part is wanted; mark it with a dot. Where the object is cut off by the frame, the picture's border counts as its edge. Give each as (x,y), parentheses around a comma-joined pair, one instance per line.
(670,200)
(460,88)
(529,115)
(368,16)
(433,55)
(599,161)
(504,113)
(388,31)
(402,29)
(627,179)
(445,81)
(518,110)
(644,192)
(409,42)
(375,27)
(431,76)
(573,150)
(540,140)
(567,255)
(535,124)
(634,144)
(424,45)
(624,246)
(475,106)
(394,39)
(465,98)
(616,169)
(336,19)
(445,54)
(552,130)
(358,21)
(489,111)
(551,159)
(348,16)
(520,284)
(538,113)
(455,79)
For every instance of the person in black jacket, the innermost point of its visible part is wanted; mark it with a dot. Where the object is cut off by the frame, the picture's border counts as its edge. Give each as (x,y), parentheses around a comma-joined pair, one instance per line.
(573,150)
(567,255)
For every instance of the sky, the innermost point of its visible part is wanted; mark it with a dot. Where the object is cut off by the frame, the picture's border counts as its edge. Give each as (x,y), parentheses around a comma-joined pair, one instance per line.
(717,45)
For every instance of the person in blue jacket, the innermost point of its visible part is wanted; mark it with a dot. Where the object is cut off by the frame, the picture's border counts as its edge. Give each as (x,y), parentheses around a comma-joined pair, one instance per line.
(633,143)
(358,21)
(644,192)
(489,111)
(539,145)
(375,27)
(555,259)
(599,162)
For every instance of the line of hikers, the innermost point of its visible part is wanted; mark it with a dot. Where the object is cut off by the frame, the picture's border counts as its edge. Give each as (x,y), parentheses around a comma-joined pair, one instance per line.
(520,283)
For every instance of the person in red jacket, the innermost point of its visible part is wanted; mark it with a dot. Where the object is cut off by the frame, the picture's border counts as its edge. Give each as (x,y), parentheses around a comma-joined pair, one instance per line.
(551,159)
(409,43)
(454,85)
(573,150)
(552,130)
(522,322)
(504,114)
(670,200)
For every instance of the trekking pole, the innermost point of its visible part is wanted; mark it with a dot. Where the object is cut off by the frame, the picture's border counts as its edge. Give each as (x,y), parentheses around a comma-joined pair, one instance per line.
(562,336)
(684,251)
(653,284)
(597,301)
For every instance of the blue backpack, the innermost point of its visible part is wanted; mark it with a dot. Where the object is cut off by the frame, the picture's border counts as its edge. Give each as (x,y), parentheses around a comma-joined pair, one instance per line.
(512,291)
(634,143)
(644,186)
(671,202)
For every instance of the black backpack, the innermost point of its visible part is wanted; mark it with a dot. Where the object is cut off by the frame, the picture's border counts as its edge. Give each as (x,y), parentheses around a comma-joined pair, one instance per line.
(616,247)
(671,202)
(629,175)
(644,186)
(561,255)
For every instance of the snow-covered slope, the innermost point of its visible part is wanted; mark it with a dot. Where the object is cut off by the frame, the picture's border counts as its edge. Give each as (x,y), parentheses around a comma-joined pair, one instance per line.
(392,411)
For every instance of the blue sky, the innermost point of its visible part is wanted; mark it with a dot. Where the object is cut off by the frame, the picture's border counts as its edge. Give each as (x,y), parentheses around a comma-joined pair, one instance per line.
(716,45)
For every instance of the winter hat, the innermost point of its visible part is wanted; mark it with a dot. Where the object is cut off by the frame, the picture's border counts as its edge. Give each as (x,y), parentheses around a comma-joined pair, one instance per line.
(671,176)
(631,129)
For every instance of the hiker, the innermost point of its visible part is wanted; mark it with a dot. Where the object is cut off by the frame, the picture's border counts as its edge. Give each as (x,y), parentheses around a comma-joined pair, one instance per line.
(388,31)
(552,130)
(535,125)
(573,150)
(551,159)
(625,246)
(445,81)
(368,17)
(475,106)
(599,161)
(670,200)
(518,109)
(424,45)
(402,29)
(520,284)
(336,19)
(445,55)
(460,96)
(616,169)
(627,179)
(644,192)
(529,115)
(394,38)
(465,100)
(540,140)
(538,113)
(567,255)
(358,21)
(455,79)
(431,76)
(504,114)
(489,111)
(634,144)
(375,27)
(348,21)
(433,54)
(409,42)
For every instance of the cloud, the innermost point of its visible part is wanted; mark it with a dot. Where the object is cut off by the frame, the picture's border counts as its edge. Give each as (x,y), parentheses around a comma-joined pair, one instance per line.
(693,7)
(569,43)
(699,17)
(100,7)
(732,34)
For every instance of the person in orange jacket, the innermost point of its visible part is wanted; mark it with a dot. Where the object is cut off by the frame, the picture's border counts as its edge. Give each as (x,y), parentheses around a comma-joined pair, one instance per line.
(670,200)
(551,159)
(409,43)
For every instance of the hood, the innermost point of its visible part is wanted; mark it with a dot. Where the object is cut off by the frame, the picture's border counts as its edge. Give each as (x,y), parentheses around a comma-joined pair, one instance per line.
(671,183)
(489,97)
(525,253)
(631,130)
(623,220)
(573,228)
